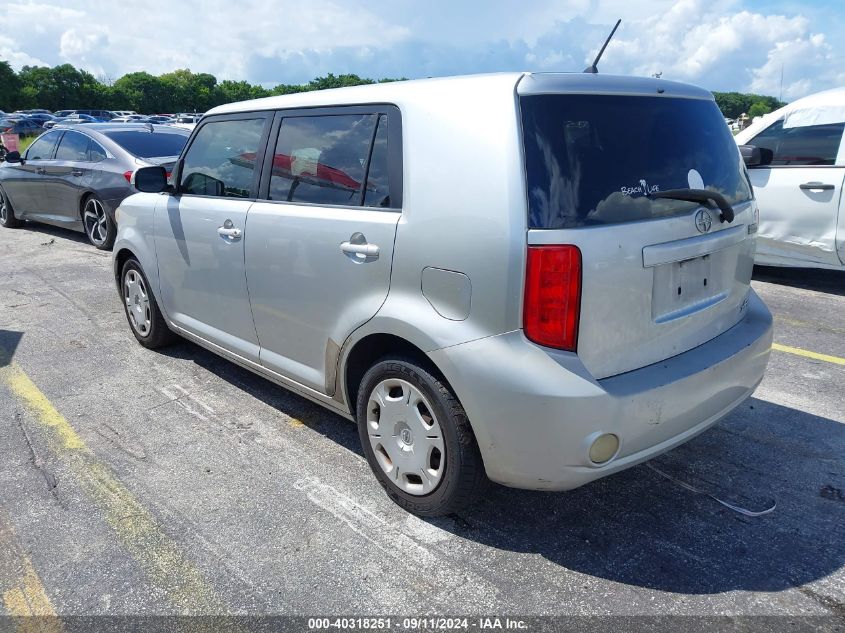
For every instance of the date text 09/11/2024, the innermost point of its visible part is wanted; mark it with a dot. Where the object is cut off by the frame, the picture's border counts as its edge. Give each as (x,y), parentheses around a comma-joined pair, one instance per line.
(424,623)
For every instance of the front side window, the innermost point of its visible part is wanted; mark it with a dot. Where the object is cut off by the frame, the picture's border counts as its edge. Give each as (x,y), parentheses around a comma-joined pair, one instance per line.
(595,159)
(73,147)
(322,159)
(221,159)
(806,145)
(42,148)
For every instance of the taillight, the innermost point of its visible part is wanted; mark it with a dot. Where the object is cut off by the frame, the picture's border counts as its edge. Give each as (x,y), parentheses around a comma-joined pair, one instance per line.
(128,176)
(553,296)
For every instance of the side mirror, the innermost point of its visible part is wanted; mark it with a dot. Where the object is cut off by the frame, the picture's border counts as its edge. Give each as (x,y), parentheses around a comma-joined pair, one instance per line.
(754,156)
(150,179)
(13,157)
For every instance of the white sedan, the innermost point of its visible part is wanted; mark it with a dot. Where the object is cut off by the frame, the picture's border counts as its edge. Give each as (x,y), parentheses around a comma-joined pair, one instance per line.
(797,171)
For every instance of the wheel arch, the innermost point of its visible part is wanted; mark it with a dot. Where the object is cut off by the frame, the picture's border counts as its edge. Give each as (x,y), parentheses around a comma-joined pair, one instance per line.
(83,200)
(371,348)
(121,255)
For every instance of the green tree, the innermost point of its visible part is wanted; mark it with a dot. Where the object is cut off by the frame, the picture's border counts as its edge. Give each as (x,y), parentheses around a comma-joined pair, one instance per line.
(9,87)
(758,108)
(190,92)
(230,91)
(139,91)
(732,104)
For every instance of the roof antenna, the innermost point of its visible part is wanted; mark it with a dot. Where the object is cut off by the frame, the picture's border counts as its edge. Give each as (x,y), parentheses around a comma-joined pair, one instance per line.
(594,68)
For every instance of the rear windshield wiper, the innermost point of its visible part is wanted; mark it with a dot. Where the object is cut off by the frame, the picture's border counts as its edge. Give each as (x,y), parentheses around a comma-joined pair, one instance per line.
(702,196)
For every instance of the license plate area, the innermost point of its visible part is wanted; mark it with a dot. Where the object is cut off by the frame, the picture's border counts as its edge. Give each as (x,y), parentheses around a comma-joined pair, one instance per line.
(689,286)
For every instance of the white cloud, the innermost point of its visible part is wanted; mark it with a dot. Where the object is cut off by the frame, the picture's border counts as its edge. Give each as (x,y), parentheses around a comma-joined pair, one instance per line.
(720,44)
(11,52)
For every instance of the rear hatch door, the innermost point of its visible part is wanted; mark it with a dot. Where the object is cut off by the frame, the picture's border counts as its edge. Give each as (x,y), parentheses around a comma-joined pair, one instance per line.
(659,276)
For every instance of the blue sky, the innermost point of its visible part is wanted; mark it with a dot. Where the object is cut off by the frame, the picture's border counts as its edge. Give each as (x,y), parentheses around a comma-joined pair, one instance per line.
(719,44)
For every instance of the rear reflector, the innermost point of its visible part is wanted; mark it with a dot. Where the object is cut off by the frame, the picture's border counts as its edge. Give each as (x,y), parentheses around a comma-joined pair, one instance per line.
(553,296)
(128,176)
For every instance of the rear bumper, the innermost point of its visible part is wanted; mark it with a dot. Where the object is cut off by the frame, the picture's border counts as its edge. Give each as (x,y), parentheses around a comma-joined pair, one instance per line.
(534,410)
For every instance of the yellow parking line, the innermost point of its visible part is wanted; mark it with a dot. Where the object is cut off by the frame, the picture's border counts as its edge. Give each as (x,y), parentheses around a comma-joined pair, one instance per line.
(20,587)
(165,565)
(836,360)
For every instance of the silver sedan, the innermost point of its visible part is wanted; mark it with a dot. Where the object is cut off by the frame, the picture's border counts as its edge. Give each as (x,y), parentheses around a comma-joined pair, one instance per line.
(77,177)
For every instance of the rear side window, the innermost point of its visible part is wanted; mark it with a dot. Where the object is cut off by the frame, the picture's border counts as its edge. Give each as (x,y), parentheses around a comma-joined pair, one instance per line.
(96,153)
(73,146)
(42,148)
(145,144)
(594,159)
(808,145)
(322,159)
(221,159)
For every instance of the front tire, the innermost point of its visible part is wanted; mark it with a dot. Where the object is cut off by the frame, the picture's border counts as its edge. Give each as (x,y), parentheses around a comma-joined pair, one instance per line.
(7,213)
(418,440)
(99,227)
(142,312)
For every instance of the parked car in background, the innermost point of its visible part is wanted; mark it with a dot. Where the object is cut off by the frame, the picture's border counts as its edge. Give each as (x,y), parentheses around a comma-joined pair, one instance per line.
(73,119)
(188,118)
(33,111)
(40,118)
(60,114)
(75,178)
(544,305)
(131,118)
(100,115)
(161,120)
(124,112)
(796,161)
(22,126)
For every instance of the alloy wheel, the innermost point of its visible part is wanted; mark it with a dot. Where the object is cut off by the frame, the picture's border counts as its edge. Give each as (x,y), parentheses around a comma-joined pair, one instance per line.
(405,436)
(96,222)
(137,302)
(4,211)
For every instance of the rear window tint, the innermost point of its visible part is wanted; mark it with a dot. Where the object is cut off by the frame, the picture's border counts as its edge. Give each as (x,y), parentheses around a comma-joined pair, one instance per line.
(594,159)
(145,144)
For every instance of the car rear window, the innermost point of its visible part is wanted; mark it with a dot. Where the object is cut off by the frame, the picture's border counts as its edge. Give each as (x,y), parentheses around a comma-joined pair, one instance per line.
(594,159)
(145,144)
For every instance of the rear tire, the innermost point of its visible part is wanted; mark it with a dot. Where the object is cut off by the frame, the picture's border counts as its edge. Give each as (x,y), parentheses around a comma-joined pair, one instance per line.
(99,227)
(142,312)
(7,213)
(418,440)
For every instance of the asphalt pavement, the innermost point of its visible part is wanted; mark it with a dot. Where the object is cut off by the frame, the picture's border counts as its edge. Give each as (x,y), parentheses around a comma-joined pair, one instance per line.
(174,482)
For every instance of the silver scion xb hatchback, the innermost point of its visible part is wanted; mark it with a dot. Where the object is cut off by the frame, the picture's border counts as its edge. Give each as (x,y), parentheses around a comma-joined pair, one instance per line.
(534,279)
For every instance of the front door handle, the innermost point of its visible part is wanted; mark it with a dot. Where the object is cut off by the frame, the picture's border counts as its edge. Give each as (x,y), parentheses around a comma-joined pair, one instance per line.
(77,172)
(229,231)
(40,171)
(367,250)
(816,186)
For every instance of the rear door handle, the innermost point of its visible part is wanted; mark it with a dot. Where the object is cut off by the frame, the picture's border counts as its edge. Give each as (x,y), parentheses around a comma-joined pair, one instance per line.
(816,186)
(77,172)
(367,250)
(40,171)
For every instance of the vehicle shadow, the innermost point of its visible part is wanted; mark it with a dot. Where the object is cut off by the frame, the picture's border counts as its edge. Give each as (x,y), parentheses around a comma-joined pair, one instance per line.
(55,231)
(820,280)
(641,529)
